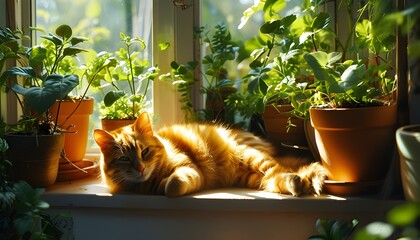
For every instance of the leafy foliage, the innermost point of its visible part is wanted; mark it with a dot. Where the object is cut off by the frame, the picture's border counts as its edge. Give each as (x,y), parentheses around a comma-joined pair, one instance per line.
(183,78)
(278,73)
(23,213)
(45,74)
(220,50)
(121,71)
(296,65)
(334,229)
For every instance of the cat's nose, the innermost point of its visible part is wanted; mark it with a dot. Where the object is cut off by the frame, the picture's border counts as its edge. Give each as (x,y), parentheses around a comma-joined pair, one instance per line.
(141,169)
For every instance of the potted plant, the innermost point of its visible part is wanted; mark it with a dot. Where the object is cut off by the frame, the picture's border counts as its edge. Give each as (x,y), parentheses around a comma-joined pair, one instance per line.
(407,135)
(354,116)
(279,76)
(129,78)
(36,162)
(23,214)
(221,49)
(353,109)
(216,84)
(56,54)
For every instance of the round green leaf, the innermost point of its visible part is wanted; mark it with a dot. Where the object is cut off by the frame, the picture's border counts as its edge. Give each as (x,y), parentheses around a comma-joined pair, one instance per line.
(64,31)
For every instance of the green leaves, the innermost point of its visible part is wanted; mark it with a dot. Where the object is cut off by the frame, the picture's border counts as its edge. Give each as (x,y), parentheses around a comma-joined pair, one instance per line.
(64,31)
(55,87)
(334,229)
(400,224)
(112,96)
(278,26)
(322,63)
(322,21)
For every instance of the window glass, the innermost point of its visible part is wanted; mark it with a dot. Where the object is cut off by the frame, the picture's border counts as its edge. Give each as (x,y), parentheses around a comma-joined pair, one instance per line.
(101,21)
(245,36)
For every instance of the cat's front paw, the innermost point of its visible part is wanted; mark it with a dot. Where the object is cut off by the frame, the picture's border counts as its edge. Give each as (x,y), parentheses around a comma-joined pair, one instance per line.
(183,181)
(315,174)
(175,187)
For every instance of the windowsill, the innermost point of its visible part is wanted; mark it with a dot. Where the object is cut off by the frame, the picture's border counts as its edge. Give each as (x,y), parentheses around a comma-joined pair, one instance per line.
(89,192)
(229,213)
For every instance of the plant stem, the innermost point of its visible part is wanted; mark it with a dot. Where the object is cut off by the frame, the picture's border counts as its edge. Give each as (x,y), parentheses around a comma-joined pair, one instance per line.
(132,86)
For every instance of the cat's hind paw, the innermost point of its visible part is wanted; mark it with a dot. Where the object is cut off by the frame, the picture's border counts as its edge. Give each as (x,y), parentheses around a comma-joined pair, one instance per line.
(297,186)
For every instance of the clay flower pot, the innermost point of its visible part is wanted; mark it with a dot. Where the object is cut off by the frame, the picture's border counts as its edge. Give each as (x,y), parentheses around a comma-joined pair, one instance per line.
(356,145)
(76,141)
(276,120)
(35,158)
(112,124)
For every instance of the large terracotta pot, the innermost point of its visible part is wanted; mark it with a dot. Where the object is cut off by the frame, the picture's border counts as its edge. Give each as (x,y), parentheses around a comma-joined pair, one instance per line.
(76,141)
(35,158)
(356,145)
(276,120)
(408,142)
(112,124)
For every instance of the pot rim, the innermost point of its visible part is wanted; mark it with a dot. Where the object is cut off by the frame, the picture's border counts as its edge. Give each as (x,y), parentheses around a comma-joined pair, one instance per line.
(327,108)
(405,130)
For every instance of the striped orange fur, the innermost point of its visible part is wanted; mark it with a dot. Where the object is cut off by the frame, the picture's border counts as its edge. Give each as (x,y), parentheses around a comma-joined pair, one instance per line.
(187,158)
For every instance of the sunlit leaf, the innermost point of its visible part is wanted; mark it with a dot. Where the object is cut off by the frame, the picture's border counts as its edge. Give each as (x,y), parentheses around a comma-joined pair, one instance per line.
(404,214)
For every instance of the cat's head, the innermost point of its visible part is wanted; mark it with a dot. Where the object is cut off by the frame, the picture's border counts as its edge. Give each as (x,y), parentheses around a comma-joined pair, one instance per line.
(129,154)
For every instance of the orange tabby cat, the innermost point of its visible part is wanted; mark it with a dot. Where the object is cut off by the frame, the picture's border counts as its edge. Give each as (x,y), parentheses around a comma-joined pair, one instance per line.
(188,158)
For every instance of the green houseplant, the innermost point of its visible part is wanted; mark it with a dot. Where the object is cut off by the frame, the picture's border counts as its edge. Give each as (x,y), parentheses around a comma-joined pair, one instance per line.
(279,77)
(59,52)
(353,129)
(216,85)
(349,73)
(36,127)
(129,78)
(23,213)
(353,108)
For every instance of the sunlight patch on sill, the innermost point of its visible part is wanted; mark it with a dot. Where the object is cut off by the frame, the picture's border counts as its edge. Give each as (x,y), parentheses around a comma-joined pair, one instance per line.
(222,195)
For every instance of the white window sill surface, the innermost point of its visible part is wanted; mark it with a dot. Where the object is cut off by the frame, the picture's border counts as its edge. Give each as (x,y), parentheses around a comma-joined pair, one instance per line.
(89,192)
(216,214)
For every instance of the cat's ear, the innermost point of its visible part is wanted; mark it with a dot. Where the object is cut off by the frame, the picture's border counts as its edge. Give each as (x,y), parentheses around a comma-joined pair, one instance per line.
(143,124)
(102,138)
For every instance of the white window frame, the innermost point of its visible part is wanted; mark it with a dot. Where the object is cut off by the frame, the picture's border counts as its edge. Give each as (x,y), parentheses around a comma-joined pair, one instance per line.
(173,25)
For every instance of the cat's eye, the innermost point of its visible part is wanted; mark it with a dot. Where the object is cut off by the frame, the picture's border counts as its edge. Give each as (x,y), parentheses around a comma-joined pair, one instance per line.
(144,152)
(124,159)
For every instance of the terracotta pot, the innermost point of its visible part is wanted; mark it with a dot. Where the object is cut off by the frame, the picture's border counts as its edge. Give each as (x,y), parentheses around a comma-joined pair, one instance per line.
(76,141)
(276,120)
(112,124)
(35,158)
(215,105)
(408,142)
(356,145)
